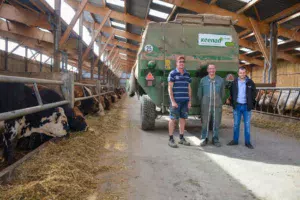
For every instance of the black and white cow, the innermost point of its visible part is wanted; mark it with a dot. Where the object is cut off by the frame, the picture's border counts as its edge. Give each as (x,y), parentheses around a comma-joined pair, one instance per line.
(52,122)
(75,119)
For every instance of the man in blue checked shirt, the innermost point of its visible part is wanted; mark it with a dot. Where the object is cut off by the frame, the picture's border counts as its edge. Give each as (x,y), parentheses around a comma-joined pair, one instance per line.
(180,93)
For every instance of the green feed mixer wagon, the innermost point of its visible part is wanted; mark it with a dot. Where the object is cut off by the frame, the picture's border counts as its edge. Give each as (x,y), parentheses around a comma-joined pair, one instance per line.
(203,39)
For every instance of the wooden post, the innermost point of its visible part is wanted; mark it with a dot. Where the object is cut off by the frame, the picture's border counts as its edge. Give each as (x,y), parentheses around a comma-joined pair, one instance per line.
(26,59)
(99,70)
(92,63)
(41,64)
(57,35)
(6,55)
(265,63)
(51,66)
(107,78)
(80,46)
(68,87)
(272,75)
(98,88)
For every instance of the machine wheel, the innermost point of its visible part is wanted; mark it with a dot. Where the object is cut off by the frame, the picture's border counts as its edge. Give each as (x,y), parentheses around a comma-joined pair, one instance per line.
(148,113)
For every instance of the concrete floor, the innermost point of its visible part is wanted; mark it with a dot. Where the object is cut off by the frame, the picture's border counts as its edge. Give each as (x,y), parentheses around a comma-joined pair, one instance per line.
(158,172)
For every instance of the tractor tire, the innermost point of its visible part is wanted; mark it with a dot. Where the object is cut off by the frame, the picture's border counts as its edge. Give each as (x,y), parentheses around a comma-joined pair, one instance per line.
(148,113)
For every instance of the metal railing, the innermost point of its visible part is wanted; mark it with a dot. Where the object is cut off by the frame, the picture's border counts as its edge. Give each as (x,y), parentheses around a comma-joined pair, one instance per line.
(67,85)
(278,101)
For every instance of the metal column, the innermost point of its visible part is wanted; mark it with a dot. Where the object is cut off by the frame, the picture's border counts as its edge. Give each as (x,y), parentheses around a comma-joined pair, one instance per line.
(6,55)
(92,62)
(26,59)
(57,35)
(80,45)
(41,64)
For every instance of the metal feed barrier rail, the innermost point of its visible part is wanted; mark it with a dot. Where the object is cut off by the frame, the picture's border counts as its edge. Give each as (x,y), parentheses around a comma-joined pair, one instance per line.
(67,85)
(274,100)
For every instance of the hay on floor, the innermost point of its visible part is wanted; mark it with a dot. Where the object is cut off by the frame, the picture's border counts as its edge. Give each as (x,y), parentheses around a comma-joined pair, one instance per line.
(67,169)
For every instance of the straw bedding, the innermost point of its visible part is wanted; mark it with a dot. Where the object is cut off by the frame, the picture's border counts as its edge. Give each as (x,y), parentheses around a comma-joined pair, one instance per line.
(67,169)
(284,127)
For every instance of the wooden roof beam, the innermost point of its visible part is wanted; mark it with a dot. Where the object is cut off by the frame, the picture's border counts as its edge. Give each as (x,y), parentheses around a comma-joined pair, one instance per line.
(38,45)
(110,53)
(260,40)
(70,27)
(125,6)
(114,14)
(119,32)
(123,51)
(24,16)
(37,5)
(247,6)
(245,32)
(104,47)
(31,32)
(122,44)
(95,35)
(19,4)
(289,18)
(251,60)
(213,2)
(284,13)
(282,55)
(243,20)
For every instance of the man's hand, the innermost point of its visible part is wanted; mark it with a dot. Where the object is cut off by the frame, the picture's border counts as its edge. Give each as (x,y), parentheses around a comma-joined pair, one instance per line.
(174,104)
(189,104)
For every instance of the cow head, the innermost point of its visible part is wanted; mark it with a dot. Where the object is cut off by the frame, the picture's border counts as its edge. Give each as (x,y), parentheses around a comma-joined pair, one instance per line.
(90,106)
(60,122)
(77,122)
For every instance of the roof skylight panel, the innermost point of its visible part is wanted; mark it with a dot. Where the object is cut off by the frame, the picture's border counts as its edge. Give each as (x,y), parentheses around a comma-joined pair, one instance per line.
(162,3)
(159,14)
(118,24)
(116,2)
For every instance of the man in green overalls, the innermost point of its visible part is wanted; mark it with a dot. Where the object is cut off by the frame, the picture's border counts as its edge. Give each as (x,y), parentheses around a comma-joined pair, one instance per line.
(211,93)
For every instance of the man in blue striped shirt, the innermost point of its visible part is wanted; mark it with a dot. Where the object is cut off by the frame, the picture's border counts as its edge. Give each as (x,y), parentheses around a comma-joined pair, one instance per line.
(180,93)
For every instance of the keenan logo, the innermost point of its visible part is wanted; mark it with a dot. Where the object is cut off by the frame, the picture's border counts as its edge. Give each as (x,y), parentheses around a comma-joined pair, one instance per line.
(208,40)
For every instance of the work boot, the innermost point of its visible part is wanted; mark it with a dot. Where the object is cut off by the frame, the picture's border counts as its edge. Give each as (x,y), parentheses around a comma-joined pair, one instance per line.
(216,143)
(172,143)
(184,142)
(203,142)
(249,145)
(232,143)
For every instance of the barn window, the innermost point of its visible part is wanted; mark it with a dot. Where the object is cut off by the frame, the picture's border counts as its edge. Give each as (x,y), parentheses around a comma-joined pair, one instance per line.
(96,49)
(246,50)
(116,2)
(245,1)
(118,24)
(163,3)
(159,14)
(44,30)
(2,44)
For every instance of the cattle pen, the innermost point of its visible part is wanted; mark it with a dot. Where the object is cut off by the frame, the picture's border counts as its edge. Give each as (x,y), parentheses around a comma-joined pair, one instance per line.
(278,101)
(67,87)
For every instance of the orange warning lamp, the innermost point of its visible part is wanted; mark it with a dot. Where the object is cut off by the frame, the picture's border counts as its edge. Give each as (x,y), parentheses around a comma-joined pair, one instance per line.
(150,78)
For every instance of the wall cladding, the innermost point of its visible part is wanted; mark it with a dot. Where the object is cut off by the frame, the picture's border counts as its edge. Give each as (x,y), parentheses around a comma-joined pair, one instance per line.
(17,64)
(288,74)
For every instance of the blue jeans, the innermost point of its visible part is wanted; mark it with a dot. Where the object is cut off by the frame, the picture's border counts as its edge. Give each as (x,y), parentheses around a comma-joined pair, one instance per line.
(180,112)
(241,109)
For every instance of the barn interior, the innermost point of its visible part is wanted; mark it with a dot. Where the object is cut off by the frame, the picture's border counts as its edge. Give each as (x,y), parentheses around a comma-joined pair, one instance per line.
(87,49)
